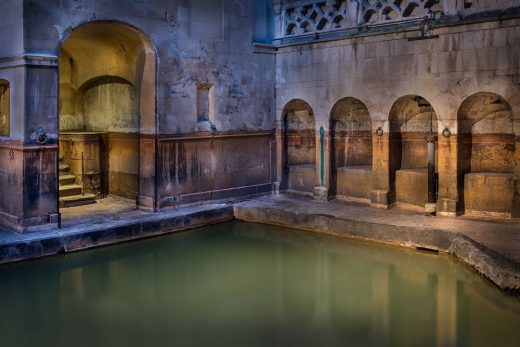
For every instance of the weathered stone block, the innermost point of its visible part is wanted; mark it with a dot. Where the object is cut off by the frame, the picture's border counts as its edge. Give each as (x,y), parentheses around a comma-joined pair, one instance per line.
(354,182)
(302,178)
(412,186)
(489,193)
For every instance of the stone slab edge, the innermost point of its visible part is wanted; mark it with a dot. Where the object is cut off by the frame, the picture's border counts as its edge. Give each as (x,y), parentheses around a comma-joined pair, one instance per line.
(502,271)
(102,235)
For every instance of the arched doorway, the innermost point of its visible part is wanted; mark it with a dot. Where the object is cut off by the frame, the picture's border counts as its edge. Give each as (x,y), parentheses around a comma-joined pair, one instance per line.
(486,155)
(413,124)
(107,115)
(299,148)
(351,151)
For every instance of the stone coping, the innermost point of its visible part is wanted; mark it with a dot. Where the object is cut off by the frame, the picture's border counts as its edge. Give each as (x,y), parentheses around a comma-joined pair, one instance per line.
(491,247)
(17,247)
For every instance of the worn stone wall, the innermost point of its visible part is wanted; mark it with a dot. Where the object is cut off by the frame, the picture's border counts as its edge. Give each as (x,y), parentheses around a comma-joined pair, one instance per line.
(445,69)
(164,49)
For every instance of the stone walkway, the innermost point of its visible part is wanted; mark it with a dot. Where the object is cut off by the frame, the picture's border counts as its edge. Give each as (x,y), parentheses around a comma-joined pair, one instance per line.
(491,246)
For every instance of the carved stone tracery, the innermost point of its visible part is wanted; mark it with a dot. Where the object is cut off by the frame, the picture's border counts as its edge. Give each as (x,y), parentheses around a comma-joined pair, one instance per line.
(304,17)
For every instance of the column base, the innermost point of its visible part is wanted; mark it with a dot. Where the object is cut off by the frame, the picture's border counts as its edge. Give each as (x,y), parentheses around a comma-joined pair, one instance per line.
(321,193)
(381,199)
(447,207)
(276,188)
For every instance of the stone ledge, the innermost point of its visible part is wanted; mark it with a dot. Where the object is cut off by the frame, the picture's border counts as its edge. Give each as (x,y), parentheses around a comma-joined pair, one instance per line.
(36,245)
(504,272)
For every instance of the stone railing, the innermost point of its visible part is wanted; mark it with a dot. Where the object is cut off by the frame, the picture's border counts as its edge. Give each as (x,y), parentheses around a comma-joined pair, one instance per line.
(297,18)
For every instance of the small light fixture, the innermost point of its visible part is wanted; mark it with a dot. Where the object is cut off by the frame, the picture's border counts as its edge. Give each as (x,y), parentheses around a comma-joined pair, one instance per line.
(446,132)
(379,131)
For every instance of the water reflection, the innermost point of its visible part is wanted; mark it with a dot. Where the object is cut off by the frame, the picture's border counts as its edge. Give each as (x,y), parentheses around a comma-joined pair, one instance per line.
(242,284)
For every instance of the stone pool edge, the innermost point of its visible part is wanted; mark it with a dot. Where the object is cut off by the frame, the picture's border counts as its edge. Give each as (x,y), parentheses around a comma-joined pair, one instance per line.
(79,238)
(502,271)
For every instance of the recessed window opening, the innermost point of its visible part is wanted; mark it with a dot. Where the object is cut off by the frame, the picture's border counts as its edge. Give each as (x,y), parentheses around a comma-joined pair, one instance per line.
(204,103)
(4,108)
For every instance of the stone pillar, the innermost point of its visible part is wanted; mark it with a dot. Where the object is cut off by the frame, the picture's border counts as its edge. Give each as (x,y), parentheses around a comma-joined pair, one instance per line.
(277,157)
(321,189)
(447,200)
(382,195)
(515,213)
(147,191)
(39,150)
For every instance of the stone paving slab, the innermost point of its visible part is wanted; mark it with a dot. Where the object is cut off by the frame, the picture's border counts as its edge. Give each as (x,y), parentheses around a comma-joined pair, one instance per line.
(492,247)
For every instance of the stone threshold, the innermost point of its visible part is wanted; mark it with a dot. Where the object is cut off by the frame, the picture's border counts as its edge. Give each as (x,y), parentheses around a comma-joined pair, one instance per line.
(492,248)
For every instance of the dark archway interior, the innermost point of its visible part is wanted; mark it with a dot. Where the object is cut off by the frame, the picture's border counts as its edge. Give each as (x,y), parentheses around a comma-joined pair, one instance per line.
(102,67)
(351,149)
(299,147)
(412,119)
(486,152)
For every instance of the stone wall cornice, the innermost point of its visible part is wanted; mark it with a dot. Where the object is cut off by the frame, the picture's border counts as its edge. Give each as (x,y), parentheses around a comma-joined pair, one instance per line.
(29,59)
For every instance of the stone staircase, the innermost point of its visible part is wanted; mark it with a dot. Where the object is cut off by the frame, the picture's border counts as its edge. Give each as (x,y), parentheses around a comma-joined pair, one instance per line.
(71,194)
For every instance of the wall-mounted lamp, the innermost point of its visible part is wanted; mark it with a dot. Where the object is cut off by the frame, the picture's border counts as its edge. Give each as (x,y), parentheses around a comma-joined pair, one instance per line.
(379,131)
(446,133)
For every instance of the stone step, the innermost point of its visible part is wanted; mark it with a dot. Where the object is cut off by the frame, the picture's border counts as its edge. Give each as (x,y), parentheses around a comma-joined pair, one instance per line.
(77,200)
(67,179)
(70,189)
(64,167)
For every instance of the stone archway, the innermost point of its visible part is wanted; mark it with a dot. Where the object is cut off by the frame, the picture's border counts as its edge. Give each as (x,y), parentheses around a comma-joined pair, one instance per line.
(107,115)
(412,120)
(486,155)
(351,151)
(299,148)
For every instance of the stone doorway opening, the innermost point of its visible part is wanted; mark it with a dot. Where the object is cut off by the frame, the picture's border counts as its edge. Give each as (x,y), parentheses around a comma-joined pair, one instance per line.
(486,156)
(106,111)
(299,148)
(351,151)
(413,124)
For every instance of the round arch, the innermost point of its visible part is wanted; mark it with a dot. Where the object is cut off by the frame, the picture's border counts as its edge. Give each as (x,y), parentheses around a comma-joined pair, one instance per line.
(108,71)
(350,150)
(486,148)
(299,147)
(412,125)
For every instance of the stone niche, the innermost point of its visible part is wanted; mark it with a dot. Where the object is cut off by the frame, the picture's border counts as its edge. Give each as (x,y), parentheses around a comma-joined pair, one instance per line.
(4,108)
(411,120)
(486,152)
(351,151)
(299,149)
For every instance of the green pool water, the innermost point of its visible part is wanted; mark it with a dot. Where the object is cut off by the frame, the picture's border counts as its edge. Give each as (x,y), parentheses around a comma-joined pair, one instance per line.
(239,284)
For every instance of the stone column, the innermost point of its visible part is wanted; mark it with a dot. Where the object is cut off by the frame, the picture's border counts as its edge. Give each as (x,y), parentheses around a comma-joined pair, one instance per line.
(321,190)
(39,149)
(277,157)
(381,196)
(447,200)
